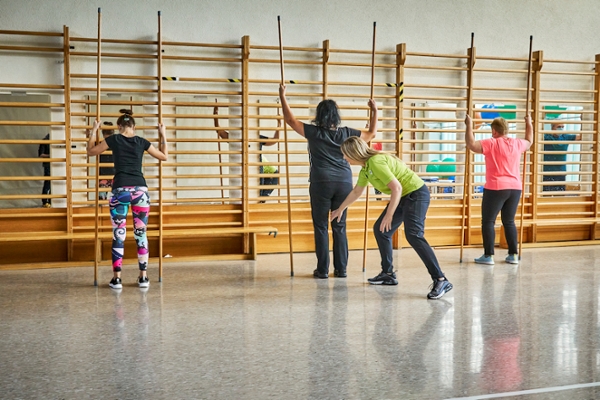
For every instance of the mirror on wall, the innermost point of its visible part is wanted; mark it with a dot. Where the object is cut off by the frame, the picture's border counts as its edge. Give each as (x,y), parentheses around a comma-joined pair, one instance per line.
(22,169)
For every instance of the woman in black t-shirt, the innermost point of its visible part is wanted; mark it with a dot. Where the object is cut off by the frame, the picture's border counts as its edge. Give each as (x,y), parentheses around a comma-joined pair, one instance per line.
(129,189)
(330,177)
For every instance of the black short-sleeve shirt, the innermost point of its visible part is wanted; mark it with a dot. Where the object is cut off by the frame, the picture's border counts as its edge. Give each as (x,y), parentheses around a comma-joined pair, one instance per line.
(327,163)
(128,153)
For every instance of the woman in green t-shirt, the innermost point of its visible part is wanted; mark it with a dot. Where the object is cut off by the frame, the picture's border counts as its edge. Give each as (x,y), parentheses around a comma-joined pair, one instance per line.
(409,202)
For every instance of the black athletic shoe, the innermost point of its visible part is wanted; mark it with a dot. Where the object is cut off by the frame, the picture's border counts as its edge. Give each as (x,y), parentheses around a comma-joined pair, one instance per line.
(439,288)
(143,282)
(115,283)
(339,274)
(384,279)
(319,275)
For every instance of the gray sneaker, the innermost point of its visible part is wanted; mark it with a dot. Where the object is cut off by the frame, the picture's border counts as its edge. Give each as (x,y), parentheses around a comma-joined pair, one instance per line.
(512,259)
(488,260)
(384,279)
(439,288)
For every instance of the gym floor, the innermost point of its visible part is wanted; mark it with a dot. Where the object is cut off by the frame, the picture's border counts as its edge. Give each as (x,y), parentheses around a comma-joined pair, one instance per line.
(247,330)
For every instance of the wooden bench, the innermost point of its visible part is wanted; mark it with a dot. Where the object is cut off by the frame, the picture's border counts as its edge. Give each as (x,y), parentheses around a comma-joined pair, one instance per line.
(7,237)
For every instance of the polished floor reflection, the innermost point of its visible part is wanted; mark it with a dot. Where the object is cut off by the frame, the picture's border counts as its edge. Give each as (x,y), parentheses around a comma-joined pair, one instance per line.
(247,330)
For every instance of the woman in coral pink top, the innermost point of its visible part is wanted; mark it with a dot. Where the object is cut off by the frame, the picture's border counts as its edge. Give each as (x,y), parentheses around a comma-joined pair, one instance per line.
(502,189)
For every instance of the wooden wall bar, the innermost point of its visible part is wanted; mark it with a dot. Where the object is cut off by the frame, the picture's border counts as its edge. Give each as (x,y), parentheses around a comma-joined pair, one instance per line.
(213,180)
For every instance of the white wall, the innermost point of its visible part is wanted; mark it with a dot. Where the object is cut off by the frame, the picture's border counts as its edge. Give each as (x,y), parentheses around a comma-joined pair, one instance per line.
(563,29)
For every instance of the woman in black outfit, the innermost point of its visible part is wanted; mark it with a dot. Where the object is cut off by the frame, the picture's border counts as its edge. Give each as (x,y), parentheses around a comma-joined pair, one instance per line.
(129,189)
(330,177)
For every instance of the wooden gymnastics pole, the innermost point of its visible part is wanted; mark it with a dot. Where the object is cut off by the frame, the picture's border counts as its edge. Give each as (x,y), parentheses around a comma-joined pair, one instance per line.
(278,154)
(525,153)
(467,177)
(220,162)
(287,158)
(97,203)
(366,230)
(160,165)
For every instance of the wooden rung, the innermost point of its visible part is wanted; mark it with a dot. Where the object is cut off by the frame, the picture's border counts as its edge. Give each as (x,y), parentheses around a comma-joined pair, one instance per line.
(408,99)
(207,45)
(406,140)
(436,108)
(31,86)
(30,33)
(201,200)
(509,71)
(115,41)
(591,91)
(203,92)
(32,160)
(546,61)
(205,59)
(33,49)
(433,119)
(116,103)
(30,104)
(575,73)
(453,56)
(495,89)
(498,100)
(358,65)
(17,141)
(32,178)
(497,58)
(114,55)
(115,90)
(276,61)
(553,102)
(433,67)
(424,86)
(113,76)
(292,48)
(369,52)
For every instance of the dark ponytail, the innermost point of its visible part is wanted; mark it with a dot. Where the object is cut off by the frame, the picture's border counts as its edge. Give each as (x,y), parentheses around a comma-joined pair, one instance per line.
(107,132)
(126,120)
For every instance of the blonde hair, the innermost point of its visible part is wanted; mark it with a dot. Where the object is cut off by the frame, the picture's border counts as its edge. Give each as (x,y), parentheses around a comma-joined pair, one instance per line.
(358,150)
(499,125)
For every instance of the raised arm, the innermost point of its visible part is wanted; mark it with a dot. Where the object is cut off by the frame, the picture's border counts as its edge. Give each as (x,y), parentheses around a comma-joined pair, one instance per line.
(369,134)
(276,135)
(94,149)
(223,134)
(351,198)
(162,153)
(472,144)
(528,130)
(288,116)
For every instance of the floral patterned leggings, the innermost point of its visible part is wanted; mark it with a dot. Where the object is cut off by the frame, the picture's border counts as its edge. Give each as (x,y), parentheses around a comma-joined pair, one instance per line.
(122,198)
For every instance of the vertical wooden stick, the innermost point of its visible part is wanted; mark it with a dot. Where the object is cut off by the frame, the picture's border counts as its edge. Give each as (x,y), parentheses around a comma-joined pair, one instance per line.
(287,158)
(467,175)
(160,165)
(97,202)
(525,153)
(220,163)
(366,229)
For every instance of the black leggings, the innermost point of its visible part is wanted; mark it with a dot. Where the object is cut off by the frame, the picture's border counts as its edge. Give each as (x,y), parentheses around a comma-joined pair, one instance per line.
(493,202)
